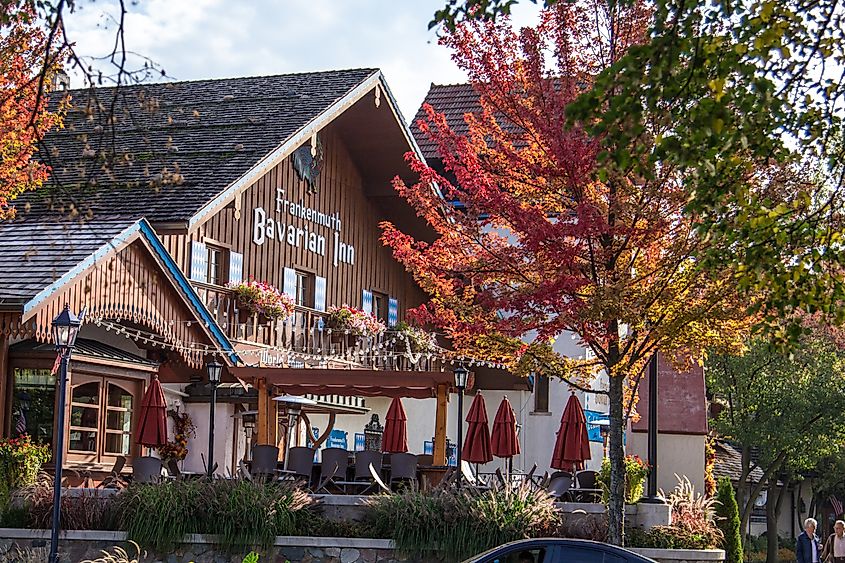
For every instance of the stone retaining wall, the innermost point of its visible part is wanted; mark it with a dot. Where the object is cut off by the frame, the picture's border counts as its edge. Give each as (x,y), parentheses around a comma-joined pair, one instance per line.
(78,546)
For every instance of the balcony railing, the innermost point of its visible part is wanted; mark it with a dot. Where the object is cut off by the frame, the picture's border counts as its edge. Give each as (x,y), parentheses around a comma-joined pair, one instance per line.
(306,333)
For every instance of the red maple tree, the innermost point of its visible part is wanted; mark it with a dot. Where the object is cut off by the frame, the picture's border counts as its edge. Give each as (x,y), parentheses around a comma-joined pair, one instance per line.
(550,238)
(27,67)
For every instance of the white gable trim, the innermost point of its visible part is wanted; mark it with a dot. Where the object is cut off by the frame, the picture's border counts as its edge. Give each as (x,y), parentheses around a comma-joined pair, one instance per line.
(305,133)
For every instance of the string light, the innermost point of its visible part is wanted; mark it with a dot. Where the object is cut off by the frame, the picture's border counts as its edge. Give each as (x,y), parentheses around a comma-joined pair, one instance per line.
(370,354)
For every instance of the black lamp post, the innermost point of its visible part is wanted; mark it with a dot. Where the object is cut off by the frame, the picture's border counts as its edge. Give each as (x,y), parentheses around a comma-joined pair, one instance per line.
(461,375)
(215,372)
(651,493)
(65,330)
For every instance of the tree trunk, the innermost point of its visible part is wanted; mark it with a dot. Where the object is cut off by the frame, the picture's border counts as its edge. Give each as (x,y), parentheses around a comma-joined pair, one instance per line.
(773,504)
(616,500)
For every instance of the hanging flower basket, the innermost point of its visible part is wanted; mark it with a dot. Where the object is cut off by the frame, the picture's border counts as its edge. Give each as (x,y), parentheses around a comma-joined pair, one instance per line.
(346,319)
(262,299)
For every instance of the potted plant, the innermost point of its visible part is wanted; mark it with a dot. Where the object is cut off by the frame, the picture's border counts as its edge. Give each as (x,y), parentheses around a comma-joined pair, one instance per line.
(262,299)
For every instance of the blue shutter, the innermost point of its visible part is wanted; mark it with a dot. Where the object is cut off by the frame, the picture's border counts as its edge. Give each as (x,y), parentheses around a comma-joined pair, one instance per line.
(392,311)
(199,262)
(367,301)
(290,283)
(236,267)
(320,293)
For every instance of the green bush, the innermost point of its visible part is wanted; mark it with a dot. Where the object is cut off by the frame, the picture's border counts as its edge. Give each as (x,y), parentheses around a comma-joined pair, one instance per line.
(459,524)
(20,462)
(727,518)
(668,537)
(241,513)
(636,471)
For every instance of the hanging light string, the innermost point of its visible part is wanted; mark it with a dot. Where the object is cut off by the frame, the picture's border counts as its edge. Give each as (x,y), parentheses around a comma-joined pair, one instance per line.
(371,353)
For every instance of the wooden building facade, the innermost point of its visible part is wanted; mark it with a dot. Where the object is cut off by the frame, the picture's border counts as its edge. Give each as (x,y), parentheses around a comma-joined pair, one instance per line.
(279,179)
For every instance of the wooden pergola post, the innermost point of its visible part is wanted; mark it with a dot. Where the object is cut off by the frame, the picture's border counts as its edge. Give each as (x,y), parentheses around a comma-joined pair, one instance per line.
(266,415)
(440,419)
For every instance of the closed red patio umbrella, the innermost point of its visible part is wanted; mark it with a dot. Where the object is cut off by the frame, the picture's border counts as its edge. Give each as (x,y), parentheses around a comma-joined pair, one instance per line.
(477,445)
(572,447)
(152,420)
(504,438)
(395,437)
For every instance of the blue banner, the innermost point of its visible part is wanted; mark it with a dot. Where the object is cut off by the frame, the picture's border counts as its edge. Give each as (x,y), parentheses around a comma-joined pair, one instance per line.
(594,430)
(359,442)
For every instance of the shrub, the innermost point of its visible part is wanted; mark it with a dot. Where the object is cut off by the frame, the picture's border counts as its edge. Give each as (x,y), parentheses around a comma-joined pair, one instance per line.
(692,526)
(20,462)
(636,470)
(85,509)
(727,518)
(241,513)
(459,524)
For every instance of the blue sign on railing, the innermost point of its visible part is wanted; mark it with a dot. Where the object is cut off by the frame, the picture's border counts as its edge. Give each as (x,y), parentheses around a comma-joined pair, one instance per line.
(359,442)
(337,439)
(428,447)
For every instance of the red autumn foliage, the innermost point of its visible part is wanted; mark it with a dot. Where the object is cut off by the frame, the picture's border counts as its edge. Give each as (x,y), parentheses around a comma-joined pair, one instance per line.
(24,115)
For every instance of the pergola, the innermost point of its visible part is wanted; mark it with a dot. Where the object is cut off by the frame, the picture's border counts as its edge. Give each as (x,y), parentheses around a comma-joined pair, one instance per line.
(347,382)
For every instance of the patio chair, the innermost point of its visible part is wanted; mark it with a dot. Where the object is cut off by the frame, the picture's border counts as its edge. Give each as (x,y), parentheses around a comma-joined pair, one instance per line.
(363,462)
(588,490)
(301,463)
(333,468)
(403,468)
(114,480)
(560,485)
(470,478)
(265,461)
(173,469)
(146,469)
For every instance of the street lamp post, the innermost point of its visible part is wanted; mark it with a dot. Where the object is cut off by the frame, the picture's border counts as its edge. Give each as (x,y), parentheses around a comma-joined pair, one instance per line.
(461,374)
(293,406)
(651,493)
(215,372)
(65,330)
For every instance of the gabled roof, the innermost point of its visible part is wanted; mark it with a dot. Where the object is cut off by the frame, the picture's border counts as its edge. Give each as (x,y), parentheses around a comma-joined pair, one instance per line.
(453,101)
(36,252)
(176,146)
(55,254)
(729,464)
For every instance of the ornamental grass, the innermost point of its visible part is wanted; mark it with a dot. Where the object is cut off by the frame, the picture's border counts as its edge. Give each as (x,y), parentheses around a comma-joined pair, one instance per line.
(459,524)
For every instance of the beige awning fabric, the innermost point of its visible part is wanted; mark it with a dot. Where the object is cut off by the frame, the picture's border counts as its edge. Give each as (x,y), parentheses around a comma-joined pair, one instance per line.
(359,382)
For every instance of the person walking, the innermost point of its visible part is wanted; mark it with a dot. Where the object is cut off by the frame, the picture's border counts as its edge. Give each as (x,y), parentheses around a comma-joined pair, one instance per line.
(807,548)
(834,547)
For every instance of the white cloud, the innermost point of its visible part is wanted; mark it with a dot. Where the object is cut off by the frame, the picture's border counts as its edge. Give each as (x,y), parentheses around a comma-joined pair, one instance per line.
(221,38)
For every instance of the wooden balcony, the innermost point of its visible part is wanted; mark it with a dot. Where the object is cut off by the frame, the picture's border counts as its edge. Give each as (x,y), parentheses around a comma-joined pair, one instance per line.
(308,338)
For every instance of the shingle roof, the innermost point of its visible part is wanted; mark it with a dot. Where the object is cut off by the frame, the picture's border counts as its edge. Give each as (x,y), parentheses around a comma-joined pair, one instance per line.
(35,252)
(174,146)
(729,464)
(85,347)
(453,101)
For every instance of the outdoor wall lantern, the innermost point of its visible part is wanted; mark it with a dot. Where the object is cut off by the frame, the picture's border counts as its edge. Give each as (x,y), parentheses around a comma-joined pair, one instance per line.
(215,373)
(461,375)
(65,330)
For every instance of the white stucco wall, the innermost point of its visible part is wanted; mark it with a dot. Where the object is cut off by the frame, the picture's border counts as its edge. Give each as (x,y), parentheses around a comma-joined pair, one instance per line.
(679,454)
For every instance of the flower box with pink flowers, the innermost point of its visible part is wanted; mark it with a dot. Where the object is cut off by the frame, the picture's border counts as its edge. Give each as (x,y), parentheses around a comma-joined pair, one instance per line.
(262,299)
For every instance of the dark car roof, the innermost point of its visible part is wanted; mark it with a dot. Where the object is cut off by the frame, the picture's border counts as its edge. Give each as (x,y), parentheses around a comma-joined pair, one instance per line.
(563,542)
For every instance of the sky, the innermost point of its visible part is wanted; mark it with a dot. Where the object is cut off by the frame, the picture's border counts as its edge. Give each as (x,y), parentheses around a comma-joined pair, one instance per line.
(194,39)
